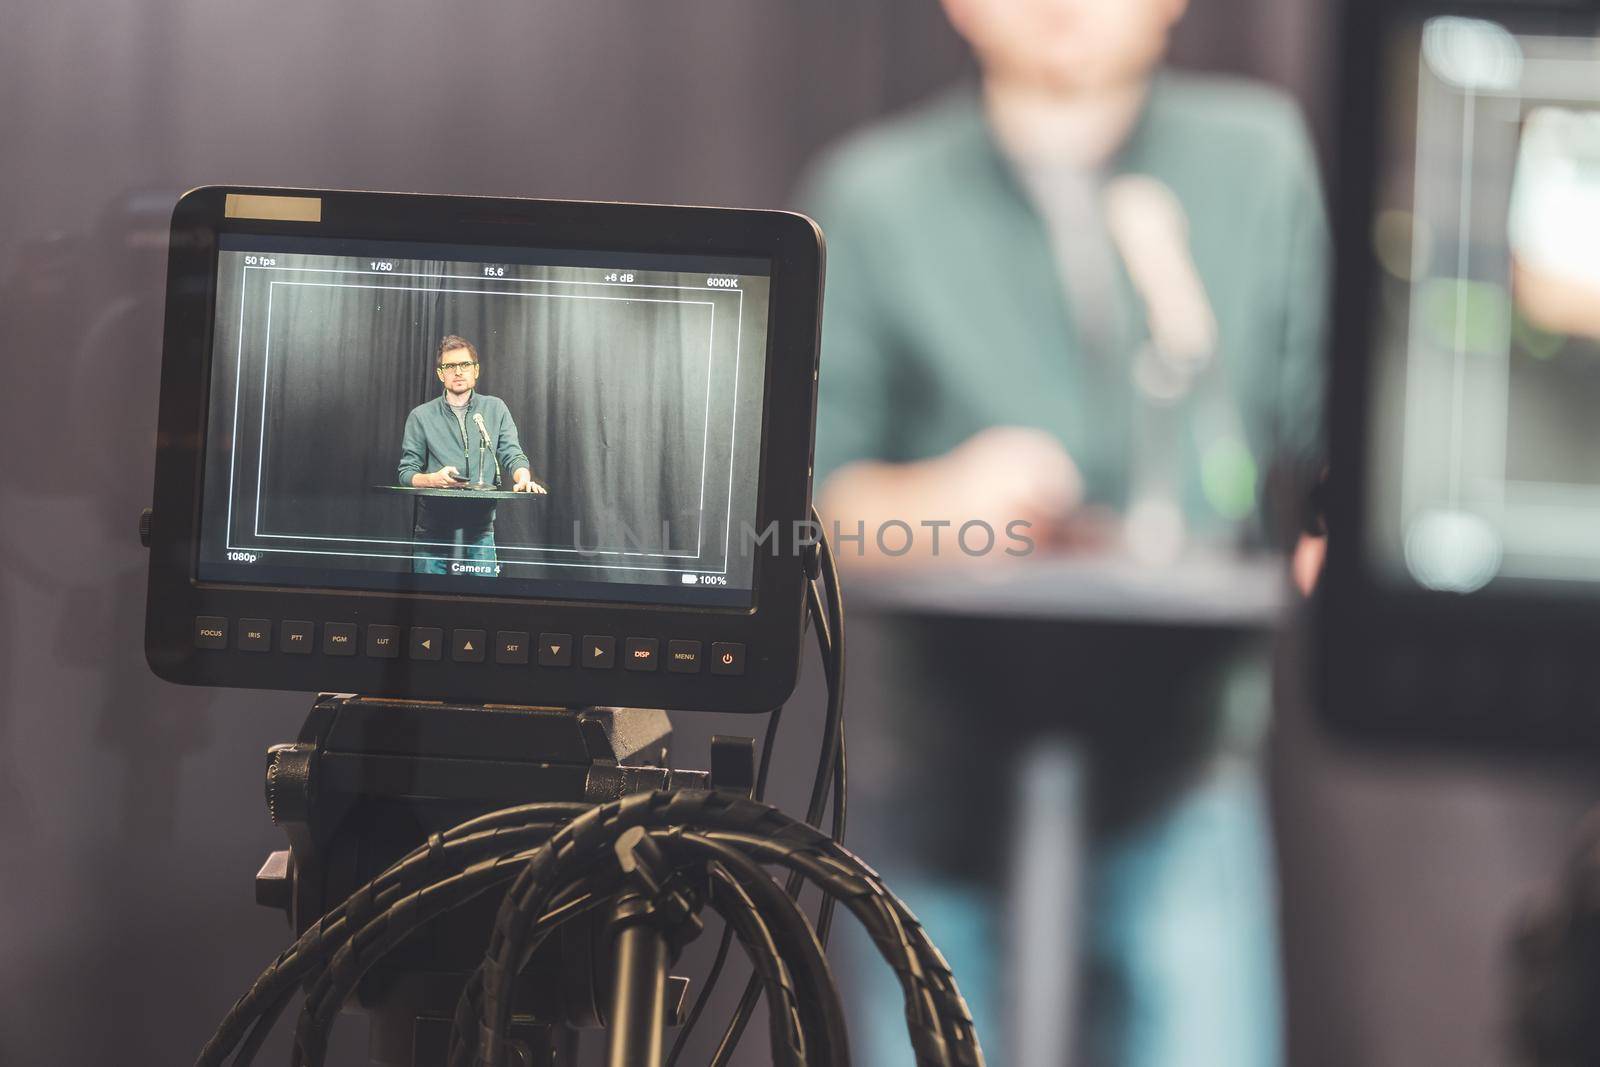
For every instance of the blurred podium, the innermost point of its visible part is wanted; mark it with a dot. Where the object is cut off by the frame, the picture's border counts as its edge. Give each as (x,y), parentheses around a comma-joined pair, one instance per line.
(1050,699)
(1221,591)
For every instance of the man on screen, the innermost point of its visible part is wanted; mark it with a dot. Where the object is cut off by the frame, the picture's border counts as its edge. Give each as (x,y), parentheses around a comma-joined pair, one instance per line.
(462,438)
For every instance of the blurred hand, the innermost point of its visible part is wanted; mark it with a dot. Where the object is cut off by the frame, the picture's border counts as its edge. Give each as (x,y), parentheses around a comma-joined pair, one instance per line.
(522,482)
(999,476)
(1306,563)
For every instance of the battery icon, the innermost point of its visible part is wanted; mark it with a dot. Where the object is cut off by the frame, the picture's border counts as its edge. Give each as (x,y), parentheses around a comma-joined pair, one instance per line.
(690,579)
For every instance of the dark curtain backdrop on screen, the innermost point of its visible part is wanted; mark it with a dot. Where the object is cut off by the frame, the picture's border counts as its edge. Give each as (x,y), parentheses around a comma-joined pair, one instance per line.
(610,397)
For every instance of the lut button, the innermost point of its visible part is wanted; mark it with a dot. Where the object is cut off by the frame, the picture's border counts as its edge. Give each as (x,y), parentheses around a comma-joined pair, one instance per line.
(383,642)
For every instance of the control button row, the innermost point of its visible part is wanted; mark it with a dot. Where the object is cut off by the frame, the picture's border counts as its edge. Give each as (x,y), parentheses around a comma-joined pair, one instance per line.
(599,652)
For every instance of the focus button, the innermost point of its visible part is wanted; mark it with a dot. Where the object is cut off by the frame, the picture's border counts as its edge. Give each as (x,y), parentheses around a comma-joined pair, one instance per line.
(727,657)
(210,631)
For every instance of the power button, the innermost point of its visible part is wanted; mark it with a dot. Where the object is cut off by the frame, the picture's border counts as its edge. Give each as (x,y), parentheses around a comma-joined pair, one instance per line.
(727,657)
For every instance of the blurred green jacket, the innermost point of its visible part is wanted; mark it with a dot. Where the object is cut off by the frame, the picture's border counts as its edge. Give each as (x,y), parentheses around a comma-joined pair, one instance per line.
(946,313)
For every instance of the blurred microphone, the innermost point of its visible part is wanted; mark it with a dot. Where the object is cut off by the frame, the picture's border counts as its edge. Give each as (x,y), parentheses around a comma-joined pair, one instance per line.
(477,417)
(1151,232)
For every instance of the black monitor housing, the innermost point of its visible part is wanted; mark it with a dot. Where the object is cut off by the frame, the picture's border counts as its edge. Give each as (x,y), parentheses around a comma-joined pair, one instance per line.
(656,366)
(1461,600)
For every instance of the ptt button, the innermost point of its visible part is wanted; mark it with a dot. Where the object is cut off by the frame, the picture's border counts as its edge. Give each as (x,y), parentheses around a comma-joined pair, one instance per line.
(210,631)
(510,646)
(640,653)
(555,650)
(683,656)
(427,642)
(295,636)
(255,635)
(339,638)
(383,642)
(599,652)
(468,647)
(727,657)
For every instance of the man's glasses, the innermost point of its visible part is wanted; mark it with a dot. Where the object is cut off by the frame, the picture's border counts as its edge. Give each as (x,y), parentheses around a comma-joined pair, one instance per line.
(452,368)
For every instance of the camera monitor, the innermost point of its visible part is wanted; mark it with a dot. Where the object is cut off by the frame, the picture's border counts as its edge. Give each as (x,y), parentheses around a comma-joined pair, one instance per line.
(507,451)
(1463,592)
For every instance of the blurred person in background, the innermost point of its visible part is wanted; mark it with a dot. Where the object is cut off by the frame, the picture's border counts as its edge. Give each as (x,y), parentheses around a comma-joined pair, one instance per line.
(1087,294)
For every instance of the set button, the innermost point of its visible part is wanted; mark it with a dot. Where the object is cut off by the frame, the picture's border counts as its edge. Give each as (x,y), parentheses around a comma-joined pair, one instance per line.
(511,646)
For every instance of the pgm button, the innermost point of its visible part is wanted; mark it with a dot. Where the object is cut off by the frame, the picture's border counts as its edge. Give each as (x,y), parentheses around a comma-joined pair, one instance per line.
(339,638)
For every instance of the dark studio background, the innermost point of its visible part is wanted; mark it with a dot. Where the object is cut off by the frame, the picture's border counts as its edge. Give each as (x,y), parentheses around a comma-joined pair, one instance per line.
(131,817)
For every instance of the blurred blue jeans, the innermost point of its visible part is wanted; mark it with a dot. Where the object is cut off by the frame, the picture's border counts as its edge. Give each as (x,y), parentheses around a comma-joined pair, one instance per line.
(1179,935)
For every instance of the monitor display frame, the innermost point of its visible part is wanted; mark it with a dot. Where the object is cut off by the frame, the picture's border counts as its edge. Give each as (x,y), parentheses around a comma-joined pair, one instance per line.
(1507,668)
(766,634)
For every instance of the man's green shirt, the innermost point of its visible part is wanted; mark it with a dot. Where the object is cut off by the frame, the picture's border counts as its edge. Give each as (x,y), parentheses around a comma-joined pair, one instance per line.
(946,311)
(435,438)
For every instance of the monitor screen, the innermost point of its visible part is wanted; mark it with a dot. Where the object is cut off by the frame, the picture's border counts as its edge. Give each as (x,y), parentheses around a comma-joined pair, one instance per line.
(1484,447)
(509,422)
